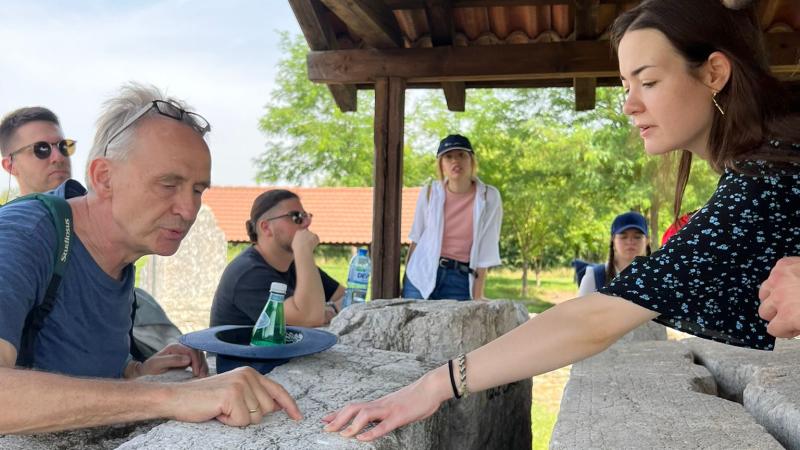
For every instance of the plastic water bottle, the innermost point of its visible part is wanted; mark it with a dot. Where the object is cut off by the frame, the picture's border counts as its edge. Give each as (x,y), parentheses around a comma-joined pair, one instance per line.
(357,279)
(270,328)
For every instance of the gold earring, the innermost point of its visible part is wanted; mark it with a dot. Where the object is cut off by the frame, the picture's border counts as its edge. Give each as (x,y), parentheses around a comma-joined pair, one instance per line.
(714,99)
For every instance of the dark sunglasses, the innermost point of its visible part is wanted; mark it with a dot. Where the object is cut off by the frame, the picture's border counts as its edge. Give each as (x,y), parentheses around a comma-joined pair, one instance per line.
(169,109)
(298,217)
(42,149)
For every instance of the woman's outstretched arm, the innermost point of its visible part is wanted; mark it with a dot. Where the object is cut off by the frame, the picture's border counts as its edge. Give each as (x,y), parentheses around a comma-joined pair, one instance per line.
(560,336)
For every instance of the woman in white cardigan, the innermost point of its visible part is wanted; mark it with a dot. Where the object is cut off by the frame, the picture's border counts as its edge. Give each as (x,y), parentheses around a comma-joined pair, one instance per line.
(456,231)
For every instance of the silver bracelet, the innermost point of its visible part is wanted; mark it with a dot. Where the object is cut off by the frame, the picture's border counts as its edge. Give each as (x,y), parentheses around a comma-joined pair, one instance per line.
(462,371)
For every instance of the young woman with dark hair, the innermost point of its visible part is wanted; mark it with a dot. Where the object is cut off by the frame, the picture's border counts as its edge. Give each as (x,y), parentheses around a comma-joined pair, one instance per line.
(629,239)
(697,80)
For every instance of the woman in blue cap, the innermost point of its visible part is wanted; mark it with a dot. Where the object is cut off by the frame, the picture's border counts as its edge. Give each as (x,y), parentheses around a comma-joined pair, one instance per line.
(456,232)
(697,80)
(629,239)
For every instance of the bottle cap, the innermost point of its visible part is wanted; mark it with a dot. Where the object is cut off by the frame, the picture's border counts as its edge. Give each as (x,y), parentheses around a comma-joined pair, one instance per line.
(362,252)
(278,288)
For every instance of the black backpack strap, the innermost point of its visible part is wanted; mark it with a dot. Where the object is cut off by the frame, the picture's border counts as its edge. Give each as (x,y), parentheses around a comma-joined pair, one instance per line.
(599,275)
(136,352)
(61,214)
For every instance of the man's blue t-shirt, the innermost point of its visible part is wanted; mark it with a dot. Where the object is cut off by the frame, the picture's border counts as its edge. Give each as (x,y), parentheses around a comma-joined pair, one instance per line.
(86,334)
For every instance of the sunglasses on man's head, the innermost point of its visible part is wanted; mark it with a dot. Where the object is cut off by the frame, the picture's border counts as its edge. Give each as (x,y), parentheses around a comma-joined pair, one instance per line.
(298,217)
(168,109)
(42,149)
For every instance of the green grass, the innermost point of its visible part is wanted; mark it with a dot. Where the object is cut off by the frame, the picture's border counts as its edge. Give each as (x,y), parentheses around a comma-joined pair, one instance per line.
(501,284)
(542,423)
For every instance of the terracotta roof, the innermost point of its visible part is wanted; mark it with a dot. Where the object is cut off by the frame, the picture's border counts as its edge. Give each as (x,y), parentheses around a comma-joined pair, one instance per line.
(341,215)
(475,24)
(398,25)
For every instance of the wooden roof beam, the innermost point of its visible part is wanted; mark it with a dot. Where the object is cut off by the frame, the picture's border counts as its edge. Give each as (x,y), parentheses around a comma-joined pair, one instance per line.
(586,12)
(553,60)
(766,12)
(419,4)
(370,20)
(538,61)
(440,23)
(311,15)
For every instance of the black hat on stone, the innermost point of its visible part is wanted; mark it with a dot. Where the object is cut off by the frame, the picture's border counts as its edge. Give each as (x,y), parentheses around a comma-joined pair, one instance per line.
(231,343)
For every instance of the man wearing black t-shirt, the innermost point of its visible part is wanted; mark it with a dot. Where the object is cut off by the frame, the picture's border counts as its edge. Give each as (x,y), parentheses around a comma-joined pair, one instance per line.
(282,250)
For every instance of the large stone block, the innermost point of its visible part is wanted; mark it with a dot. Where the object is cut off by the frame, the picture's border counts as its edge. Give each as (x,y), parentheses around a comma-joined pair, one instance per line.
(767,383)
(650,395)
(435,330)
(734,367)
(319,383)
(440,330)
(773,398)
(185,282)
(648,331)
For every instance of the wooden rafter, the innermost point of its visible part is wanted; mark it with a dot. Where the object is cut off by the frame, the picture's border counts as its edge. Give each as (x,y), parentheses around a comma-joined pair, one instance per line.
(440,22)
(371,20)
(541,61)
(766,12)
(479,63)
(320,36)
(419,4)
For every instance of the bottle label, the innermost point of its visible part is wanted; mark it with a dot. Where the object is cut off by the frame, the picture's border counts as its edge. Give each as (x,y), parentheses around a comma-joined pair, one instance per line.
(263,322)
(362,277)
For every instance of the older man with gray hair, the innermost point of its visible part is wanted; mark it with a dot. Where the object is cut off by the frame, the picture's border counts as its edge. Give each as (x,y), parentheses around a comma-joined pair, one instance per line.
(147,170)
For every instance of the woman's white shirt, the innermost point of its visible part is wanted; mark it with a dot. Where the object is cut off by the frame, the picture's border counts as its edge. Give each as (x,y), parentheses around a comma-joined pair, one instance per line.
(588,285)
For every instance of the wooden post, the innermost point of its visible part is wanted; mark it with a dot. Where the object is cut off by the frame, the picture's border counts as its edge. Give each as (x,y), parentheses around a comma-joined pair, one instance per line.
(388,176)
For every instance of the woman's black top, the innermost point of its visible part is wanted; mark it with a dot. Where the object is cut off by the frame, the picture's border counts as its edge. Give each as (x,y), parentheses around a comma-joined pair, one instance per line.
(705,280)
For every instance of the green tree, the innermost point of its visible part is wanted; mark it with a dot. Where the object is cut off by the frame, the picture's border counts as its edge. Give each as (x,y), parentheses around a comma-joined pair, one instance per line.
(308,139)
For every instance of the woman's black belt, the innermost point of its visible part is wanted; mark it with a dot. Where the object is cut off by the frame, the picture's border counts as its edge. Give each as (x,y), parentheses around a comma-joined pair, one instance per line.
(447,263)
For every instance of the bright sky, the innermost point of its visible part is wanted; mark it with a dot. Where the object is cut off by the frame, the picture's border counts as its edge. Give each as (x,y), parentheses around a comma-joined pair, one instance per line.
(219,56)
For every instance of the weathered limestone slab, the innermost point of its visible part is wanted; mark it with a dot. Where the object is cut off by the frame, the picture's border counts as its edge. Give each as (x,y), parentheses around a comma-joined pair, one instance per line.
(734,367)
(99,438)
(436,330)
(319,383)
(773,398)
(440,330)
(648,331)
(186,281)
(650,395)
(767,383)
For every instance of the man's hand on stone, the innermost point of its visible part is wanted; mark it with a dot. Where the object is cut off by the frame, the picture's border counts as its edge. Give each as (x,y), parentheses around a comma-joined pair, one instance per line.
(237,398)
(780,298)
(304,241)
(173,356)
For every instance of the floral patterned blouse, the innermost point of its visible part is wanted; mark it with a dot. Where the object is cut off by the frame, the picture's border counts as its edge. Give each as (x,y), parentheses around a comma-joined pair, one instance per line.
(705,280)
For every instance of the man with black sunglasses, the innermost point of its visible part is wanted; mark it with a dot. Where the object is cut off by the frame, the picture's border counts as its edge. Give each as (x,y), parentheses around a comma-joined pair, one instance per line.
(147,170)
(34,149)
(282,251)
